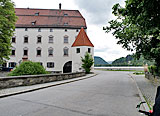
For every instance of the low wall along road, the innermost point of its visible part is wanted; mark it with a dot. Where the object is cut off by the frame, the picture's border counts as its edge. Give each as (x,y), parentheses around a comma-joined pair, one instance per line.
(7,82)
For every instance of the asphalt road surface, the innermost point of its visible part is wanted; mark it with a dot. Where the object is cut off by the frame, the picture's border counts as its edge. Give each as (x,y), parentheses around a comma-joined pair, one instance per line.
(110,93)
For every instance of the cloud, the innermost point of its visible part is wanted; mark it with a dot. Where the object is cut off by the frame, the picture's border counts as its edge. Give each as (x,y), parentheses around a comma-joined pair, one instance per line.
(98,11)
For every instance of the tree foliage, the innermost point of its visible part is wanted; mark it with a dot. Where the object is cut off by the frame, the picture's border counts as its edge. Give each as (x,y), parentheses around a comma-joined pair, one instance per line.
(137,27)
(7,26)
(87,62)
(28,68)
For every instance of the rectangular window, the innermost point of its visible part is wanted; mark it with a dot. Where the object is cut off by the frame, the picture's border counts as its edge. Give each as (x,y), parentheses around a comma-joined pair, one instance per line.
(25,39)
(39,39)
(50,64)
(12,64)
(65,39)
(39,29)
(38,52)
(78,50)
(13,39)
(13,53)
(51,30)
(89,50)
(65,51)
(25,53)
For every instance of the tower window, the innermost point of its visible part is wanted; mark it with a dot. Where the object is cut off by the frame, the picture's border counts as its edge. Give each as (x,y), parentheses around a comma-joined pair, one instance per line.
(78,50)
(89,50)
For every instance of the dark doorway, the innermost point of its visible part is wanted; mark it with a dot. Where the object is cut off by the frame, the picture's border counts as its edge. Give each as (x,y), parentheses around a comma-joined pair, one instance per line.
(67,68)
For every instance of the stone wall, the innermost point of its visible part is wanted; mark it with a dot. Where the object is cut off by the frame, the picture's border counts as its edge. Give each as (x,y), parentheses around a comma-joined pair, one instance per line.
(154,79)
(8,82)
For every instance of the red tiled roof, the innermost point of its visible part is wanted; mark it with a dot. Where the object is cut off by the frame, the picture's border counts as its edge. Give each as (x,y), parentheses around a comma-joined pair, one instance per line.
(82,39)
(49,18)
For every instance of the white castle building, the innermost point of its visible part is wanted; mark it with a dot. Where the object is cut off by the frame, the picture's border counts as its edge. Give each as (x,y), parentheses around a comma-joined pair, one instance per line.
(54,37)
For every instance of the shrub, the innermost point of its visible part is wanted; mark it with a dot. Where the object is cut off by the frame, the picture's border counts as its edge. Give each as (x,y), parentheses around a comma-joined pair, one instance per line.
(153,70)
(28,68)
(87,62)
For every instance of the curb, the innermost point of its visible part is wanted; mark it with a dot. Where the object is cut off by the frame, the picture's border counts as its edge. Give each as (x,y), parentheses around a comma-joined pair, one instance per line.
(146,107)
(52,85)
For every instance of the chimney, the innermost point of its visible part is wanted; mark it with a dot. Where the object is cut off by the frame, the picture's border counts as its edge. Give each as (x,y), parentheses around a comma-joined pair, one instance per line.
(60,5)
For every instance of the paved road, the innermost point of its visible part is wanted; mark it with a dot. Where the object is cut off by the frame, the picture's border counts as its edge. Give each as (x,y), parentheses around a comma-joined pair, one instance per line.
(107,94)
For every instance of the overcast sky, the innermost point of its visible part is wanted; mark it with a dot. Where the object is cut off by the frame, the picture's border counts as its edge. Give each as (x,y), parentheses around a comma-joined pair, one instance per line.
(97,13)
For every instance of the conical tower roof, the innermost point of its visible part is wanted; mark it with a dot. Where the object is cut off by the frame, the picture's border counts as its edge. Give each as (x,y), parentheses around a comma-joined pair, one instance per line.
(82,39)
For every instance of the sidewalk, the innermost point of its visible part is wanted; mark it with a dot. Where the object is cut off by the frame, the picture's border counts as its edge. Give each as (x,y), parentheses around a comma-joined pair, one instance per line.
(23,89)
(147,89)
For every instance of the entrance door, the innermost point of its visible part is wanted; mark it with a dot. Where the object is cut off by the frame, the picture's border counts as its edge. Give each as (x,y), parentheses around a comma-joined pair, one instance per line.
(67,68)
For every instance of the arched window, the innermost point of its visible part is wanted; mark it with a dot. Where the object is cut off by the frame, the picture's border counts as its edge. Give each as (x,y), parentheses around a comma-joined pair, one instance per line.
(38,51)
(65,51)
(50,39)
(65,39)
(50,51)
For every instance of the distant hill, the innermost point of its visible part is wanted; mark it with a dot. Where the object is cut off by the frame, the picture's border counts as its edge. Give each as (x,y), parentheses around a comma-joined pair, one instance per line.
(131,60)
(99,61)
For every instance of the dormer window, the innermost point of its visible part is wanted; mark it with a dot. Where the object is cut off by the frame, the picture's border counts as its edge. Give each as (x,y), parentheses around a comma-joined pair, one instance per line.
(65,14)
(65,23)
(36,14)
(33,23)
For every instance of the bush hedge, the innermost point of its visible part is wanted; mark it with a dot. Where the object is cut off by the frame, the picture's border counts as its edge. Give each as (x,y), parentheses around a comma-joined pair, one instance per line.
(154,70)
(28,68)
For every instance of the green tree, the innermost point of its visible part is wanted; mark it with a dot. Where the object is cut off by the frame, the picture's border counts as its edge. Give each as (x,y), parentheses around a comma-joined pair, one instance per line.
(7,26)
(137,27)
(28,68)
(87,62)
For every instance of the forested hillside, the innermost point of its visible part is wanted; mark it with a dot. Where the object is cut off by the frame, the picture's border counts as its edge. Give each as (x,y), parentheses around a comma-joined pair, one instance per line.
(131,60)
(98,61)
